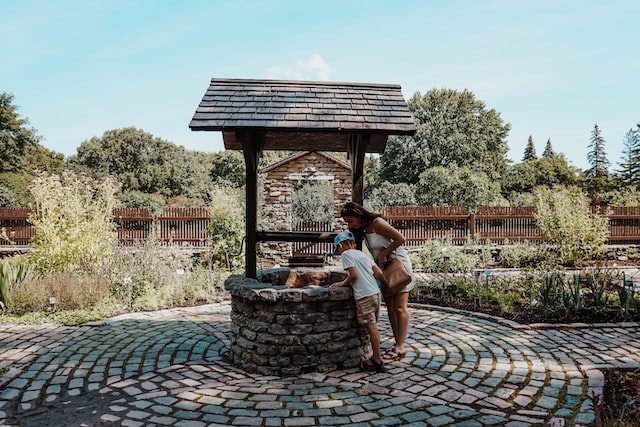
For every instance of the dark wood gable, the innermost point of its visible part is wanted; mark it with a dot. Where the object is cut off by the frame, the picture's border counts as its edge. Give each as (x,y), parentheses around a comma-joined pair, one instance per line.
(257,115)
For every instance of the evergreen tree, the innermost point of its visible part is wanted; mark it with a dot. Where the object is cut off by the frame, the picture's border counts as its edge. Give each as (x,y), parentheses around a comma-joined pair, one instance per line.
(629,171)
(597,176)
(548,150)
(530,151)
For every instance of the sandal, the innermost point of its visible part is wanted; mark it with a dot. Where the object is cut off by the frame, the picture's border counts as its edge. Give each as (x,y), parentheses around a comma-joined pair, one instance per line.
(393,354)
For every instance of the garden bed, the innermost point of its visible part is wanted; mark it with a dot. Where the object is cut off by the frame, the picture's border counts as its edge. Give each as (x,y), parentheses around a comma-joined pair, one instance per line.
(598,293)
(621,400)
(525,315)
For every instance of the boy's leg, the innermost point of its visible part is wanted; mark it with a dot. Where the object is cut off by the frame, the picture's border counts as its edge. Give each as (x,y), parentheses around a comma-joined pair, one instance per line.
(368,310)
(374,337)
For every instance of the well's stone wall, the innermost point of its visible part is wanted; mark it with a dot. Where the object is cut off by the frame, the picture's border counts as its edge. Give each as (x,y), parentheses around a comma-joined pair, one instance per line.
(284,331)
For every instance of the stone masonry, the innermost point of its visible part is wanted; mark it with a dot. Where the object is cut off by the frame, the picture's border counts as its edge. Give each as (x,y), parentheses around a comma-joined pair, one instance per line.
(278,330)
(279,183)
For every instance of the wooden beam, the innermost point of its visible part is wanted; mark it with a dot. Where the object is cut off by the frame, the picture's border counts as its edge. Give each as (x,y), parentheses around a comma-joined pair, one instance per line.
(307,141)
(295,236)
(356,150)
(252,143)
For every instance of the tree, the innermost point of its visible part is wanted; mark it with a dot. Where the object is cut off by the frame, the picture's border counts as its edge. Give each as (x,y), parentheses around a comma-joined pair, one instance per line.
(457,186)
(228,169)
(597,176)
(453,129)
(629,172)
(530,150)
(371,175)
(138,160)
(546,171)
(17,139)
(14,190)
(548,150)
(388,194)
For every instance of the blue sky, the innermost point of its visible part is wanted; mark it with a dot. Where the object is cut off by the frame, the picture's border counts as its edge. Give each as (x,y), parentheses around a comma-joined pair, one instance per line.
(552,69)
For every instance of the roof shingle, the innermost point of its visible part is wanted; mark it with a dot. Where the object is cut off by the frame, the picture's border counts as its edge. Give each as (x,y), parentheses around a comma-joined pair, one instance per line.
(303,115)
(306,105)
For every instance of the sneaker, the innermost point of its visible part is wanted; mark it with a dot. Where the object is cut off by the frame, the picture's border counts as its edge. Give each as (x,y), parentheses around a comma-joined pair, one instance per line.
(380,369)
(371,366)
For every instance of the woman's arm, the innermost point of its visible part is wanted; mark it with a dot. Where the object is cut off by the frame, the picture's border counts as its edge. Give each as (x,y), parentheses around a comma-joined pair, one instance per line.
(378,274)
(382,227)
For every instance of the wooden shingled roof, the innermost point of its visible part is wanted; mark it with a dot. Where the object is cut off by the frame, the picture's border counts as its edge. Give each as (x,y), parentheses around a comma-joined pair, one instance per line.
(303,115)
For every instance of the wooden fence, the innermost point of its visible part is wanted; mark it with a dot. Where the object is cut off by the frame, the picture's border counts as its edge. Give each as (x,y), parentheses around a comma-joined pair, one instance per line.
(418,224)
(496,223)
(300,248)
(178,225)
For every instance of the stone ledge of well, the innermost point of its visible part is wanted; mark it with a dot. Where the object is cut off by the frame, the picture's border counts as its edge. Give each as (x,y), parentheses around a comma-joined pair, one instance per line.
(270,286)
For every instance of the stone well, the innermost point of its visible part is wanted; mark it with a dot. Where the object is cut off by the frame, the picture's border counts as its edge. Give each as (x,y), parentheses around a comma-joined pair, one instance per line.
(290,321)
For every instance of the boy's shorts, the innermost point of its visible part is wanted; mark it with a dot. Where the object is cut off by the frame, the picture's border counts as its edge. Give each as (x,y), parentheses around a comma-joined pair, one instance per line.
(368,309)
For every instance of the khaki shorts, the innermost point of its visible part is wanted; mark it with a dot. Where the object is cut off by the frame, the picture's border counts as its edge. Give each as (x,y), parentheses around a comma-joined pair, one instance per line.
(368,309)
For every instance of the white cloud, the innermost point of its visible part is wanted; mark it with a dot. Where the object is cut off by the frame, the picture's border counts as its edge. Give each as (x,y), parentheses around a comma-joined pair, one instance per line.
(314,69)
(316,65)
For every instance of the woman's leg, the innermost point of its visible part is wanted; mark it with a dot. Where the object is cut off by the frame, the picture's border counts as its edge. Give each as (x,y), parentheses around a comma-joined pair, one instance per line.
(399,318)
(401,310)
(393,318)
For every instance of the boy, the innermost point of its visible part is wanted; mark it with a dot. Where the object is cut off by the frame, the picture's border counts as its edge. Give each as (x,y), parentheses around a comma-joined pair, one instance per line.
(361,275)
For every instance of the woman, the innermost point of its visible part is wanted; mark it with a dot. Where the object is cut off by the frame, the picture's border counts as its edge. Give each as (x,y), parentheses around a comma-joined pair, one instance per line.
(384,241)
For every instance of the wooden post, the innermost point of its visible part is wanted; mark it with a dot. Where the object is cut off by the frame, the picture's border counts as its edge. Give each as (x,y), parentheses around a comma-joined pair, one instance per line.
(356,150)
(252,149)
(472,225)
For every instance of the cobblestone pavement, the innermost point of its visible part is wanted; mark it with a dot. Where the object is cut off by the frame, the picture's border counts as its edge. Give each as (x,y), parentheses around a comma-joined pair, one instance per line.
(165,368)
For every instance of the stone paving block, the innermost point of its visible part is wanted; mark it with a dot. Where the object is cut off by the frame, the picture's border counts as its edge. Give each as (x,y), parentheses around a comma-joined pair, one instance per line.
(441,420)
(163,421)
(296,422)
(243,413)
(496,374)
(363,416)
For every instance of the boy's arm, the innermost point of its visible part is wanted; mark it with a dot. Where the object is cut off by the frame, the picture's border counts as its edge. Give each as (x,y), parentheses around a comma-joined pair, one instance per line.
(352,275)
(378,274)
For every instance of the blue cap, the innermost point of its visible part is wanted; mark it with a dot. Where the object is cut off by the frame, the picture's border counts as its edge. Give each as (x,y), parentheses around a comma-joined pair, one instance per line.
(342,236)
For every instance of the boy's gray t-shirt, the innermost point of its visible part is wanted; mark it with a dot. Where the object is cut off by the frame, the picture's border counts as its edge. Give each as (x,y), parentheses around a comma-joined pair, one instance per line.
(366,284)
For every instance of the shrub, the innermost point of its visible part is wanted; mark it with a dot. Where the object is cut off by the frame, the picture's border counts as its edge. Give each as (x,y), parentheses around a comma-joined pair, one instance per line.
(72,291)
(565,220)
(73,222)
(139,271)
(148,276)
(226,229)
(12,272)
(138,199)
(441,256)
(313,201)
(524,255)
